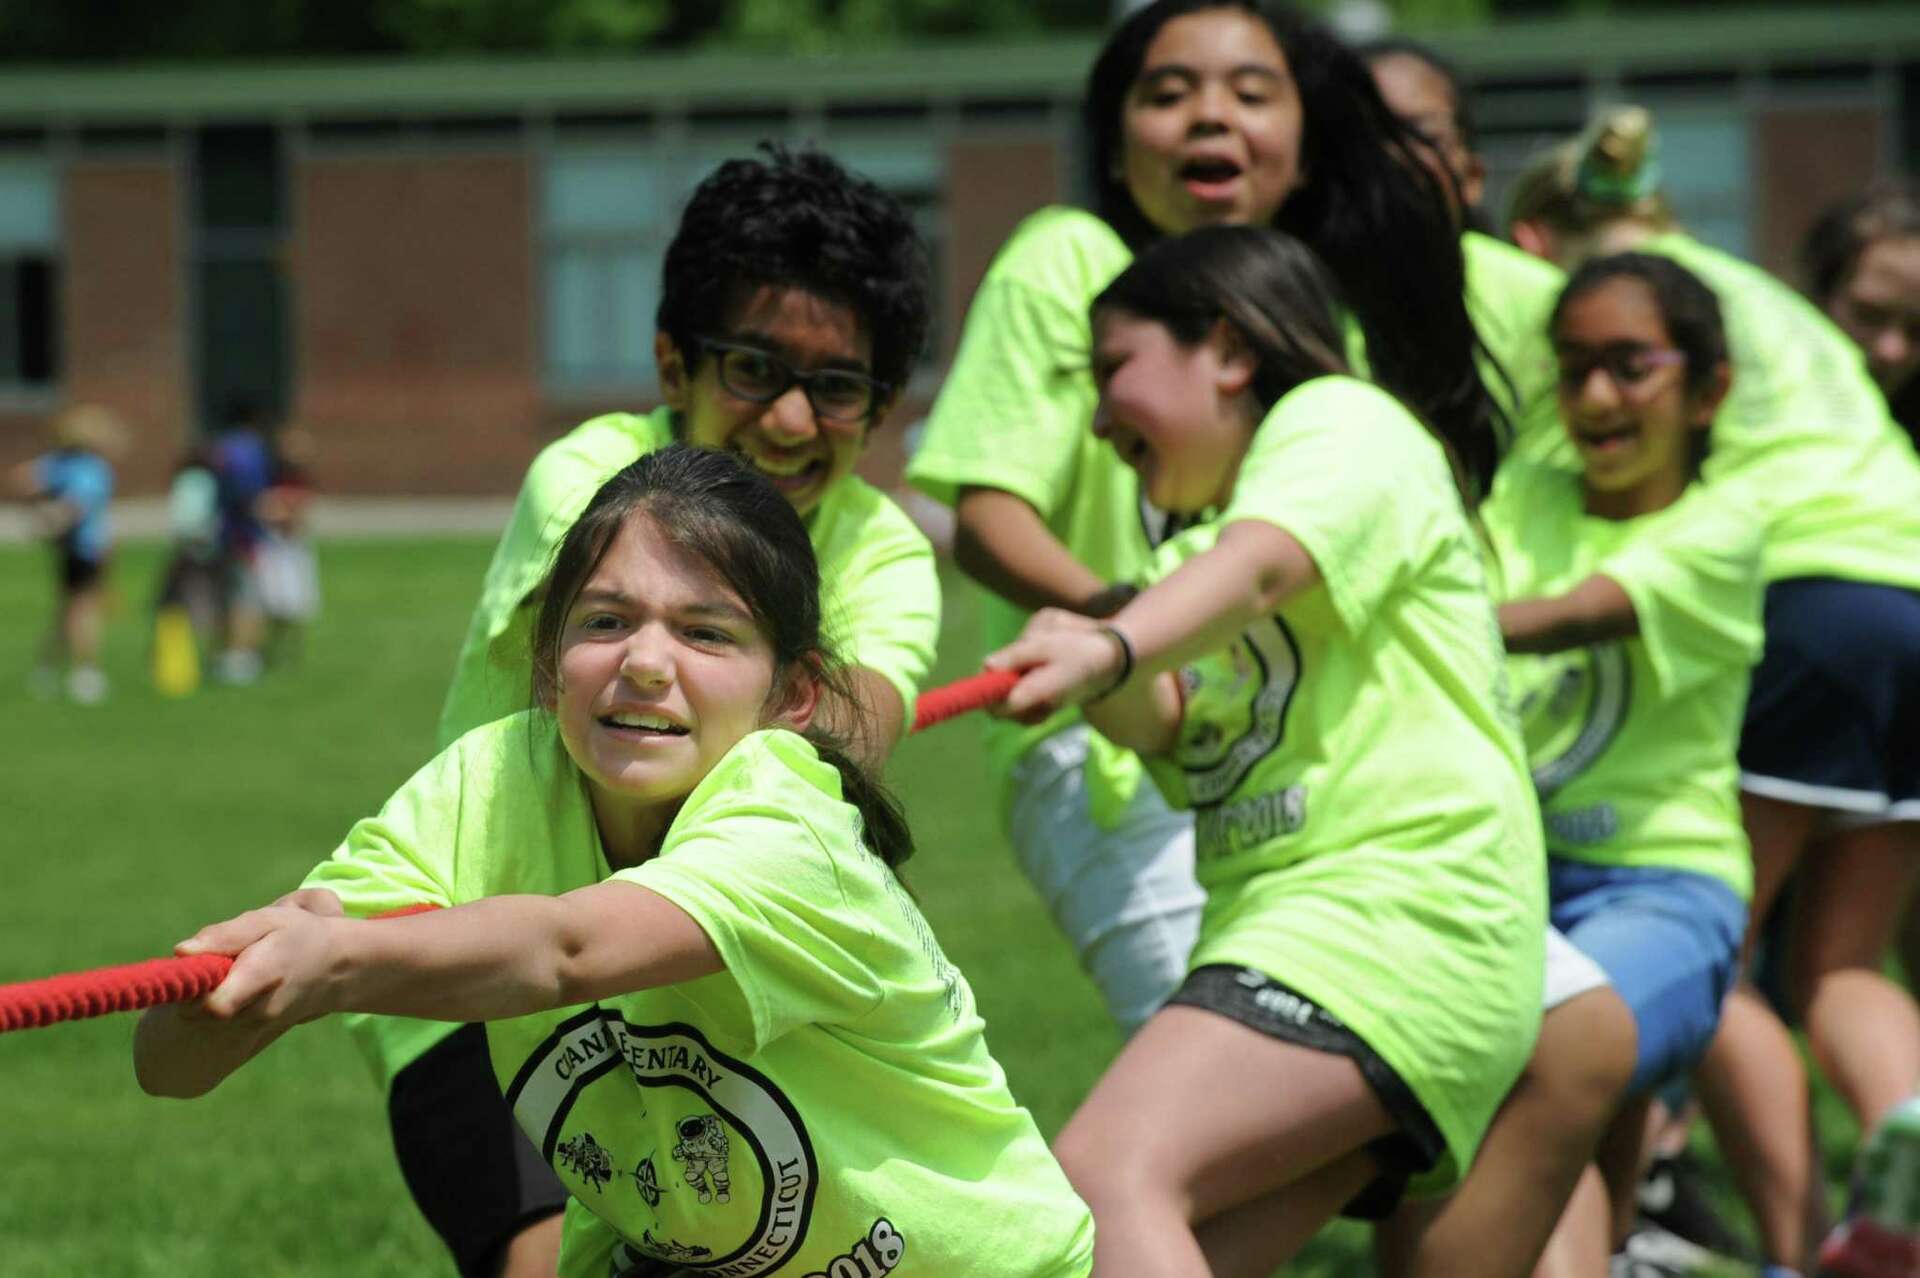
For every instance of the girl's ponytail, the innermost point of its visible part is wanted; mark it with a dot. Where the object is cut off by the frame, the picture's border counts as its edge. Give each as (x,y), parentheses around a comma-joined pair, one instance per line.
(883,825)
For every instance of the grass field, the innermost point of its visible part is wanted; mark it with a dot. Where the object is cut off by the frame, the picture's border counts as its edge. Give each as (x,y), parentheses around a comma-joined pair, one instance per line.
(128,825)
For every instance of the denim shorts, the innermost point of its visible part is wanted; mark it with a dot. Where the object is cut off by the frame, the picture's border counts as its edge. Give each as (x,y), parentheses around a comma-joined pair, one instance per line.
(1668,940)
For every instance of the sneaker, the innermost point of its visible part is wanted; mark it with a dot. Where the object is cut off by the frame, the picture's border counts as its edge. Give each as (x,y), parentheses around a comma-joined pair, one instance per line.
(87,685)
(1671,1197)
(1864,1248)
(1653,1252)
(1881,1235)
(237,667)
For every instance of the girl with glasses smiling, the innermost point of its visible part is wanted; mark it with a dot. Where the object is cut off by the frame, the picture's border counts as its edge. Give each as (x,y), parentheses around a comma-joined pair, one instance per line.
(1633,613)
(1830,778)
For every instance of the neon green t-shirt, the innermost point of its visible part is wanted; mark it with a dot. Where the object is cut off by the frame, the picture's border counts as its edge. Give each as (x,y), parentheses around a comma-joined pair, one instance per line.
(1364,825)
(1511,295)
(1805,438)
(1016,413)
(825,1104)
(880,593)
(880,588)
(1633,742)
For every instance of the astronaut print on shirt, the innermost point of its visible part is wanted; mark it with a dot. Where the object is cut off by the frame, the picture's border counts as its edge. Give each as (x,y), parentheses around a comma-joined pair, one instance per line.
(715,1168)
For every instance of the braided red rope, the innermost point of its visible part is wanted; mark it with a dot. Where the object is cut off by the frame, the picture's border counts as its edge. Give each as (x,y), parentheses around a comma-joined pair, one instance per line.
(129,987)
(975,692)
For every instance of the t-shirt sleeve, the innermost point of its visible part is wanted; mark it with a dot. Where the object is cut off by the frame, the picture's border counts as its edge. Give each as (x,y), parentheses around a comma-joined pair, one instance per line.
(1016,402)
(1694,579)
(756,875)
(883,607)
(403,856)
(1341,466)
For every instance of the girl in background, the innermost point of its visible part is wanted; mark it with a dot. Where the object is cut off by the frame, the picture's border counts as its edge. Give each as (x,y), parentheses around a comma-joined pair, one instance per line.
(1633,605)
(1316,673)
(1830,782)
(709,1001)
(1200,113)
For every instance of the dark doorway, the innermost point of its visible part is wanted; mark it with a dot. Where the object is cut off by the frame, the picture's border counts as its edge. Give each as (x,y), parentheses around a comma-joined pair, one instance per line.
(241,301)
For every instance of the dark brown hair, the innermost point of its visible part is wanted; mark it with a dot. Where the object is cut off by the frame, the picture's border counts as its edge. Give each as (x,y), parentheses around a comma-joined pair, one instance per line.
(1369,210)
(713,507)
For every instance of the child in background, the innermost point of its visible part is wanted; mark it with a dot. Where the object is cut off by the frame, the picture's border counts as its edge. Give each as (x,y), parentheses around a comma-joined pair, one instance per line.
(1830,782)
(709,1000)
(72,487)
(289,572)
(1316,673)
(243,465)
(1862,260)
(1199,113)
(787,358)
(1634,595)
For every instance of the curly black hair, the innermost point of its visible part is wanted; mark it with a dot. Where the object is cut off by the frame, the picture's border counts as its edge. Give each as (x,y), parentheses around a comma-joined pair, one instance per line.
(797,219)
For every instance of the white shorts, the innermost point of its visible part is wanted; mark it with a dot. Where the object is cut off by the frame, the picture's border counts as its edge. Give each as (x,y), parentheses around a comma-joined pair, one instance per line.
(1570,971)
(1125,898)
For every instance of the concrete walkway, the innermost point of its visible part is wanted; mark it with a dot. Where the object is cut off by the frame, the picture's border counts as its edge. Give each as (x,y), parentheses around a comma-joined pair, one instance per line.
(145,518)
(333,517)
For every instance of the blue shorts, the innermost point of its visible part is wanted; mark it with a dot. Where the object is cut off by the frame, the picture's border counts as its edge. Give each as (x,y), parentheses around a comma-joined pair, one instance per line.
(1669,940)
(1833,718)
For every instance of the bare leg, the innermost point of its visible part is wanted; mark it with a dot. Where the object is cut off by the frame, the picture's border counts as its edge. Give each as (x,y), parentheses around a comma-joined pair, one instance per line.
(1197,1116)
(534,1252)
(1582,1245)
(1622,1160)
(81,617)
(1256,1238)
(1501,1218)
(1864,1029)
(1754,1091)
(1751,1082)
(1910,943)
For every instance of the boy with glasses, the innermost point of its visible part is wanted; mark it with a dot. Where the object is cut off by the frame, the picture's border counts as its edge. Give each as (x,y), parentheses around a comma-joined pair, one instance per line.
(793,307)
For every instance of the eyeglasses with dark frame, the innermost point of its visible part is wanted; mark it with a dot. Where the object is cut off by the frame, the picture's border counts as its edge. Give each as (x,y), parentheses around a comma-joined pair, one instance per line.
(836,394)
(1627,366)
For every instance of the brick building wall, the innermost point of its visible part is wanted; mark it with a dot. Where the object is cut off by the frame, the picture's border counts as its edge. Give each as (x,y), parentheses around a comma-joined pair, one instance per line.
(415,356)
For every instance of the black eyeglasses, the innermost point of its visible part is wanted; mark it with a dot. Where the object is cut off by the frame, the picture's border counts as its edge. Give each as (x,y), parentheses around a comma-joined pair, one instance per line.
(835,393)
(1626,365)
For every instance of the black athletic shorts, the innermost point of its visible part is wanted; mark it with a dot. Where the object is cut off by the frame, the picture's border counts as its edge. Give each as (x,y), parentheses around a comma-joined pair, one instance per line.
(77,572)
(1833,716)
(473,1172)
(1259,1002)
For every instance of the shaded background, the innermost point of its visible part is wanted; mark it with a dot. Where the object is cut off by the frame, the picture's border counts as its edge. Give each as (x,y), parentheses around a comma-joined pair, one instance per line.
(430,230)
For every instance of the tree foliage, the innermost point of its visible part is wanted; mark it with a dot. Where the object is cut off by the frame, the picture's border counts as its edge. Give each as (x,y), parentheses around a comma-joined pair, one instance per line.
(120,30)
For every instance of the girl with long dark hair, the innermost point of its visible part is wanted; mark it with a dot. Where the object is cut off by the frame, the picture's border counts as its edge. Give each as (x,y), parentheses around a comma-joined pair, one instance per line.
(1198,113)
(1316,673)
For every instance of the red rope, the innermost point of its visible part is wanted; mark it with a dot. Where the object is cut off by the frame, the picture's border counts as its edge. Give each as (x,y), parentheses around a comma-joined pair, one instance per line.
(130,987)
(975,692)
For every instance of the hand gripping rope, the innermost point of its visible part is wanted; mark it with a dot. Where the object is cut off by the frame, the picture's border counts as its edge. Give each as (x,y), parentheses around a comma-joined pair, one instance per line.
(130,987)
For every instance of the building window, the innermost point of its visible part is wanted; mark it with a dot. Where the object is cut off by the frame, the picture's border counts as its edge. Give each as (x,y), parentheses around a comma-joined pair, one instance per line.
(29,275)
(608,211)
(1706,166)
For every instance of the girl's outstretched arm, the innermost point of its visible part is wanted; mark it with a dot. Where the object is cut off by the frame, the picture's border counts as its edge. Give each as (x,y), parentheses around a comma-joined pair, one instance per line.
(487,960)
(1592,612)
(1201,606)
(1002,542)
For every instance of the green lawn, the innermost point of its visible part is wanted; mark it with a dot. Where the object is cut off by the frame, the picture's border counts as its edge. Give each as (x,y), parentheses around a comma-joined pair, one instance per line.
(128,825)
